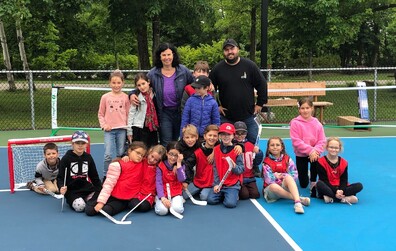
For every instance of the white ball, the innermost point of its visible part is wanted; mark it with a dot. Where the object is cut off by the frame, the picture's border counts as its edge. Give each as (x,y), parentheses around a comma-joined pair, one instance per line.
(78,205)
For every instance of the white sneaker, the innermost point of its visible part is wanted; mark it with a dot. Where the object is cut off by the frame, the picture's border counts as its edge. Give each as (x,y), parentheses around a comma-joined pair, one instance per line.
(327,199)
(305,201)
(298,208)
(350,200)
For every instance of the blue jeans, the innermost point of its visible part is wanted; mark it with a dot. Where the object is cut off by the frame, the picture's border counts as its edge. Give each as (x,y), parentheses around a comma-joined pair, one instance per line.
(203,192)
(114,144)
(251,124)
(228,195)
(170,122)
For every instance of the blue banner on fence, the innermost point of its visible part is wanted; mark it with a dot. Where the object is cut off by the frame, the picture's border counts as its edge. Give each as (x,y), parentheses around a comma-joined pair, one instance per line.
(363,101)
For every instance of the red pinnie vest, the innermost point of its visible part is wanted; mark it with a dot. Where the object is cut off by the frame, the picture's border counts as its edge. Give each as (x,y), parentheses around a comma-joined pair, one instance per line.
(248,160)
(128,184)
(222,166)
(204,171)
(277,166)
(148,183)
(333,174)
(171,178)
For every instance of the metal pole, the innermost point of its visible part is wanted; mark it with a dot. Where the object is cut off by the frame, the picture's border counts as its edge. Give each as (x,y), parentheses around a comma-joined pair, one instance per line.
(375,93)
(32,99)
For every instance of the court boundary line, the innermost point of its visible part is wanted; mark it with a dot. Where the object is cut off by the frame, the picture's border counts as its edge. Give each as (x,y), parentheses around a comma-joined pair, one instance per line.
(275,224)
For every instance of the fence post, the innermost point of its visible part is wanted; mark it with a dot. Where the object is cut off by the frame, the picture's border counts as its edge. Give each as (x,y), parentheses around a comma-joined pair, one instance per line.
(31,90)
(375,94)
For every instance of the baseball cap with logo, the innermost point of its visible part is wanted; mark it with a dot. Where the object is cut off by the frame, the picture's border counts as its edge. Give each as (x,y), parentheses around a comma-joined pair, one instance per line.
(201,81)
(227,128)
(80,136)
(240,126)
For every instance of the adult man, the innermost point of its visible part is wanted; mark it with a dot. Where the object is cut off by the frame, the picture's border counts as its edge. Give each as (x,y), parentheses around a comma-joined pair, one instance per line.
(236,78)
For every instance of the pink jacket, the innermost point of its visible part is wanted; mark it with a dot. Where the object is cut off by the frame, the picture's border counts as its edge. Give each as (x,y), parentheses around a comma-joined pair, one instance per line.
(307,136)
(113,110)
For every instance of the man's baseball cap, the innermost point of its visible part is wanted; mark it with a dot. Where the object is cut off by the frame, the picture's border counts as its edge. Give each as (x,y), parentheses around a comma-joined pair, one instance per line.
(231,42)
(227,128)
(240,126)
(201,81)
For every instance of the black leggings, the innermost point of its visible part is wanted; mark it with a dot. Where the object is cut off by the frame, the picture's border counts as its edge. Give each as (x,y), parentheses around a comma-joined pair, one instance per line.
(324,189)
(302,168)
(115,206)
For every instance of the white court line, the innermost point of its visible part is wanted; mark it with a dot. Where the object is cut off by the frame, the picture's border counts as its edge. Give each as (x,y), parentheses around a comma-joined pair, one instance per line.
(275,224)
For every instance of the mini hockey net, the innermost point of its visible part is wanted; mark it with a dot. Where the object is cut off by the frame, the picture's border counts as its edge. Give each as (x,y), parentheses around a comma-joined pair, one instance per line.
(25,154)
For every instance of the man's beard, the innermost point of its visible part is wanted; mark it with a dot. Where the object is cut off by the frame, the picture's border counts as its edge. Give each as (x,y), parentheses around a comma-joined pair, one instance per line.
(232,61)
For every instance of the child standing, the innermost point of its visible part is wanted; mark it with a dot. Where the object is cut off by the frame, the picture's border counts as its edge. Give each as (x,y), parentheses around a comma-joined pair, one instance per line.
(112,115)
(82,179)
(200,68)
(333,176)
(308,139)
(280,175)
(249,187)
(201,108)
(142,120)
(46,171)
(202,181)
(122,183)
(232,184)
(170,171)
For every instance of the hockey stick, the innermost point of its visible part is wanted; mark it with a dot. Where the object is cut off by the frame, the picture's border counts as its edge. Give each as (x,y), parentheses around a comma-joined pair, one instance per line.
(64,183)
(118,222)
(196,202)
(145,198)
(172,211)
(256,119)
(230,166)
(56,196)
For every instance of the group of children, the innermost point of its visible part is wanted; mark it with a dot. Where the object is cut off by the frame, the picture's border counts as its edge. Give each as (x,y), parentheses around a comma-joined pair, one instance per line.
(212,161)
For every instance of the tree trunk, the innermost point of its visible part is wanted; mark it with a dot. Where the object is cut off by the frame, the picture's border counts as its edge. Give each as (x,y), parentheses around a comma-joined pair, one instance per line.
(253,20)
(156,35)
(310,65)
(22,52)
(144,61)
(376,46)
(6,56)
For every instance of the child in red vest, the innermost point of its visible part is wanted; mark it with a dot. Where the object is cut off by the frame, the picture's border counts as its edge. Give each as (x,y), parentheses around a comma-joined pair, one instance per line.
(202,180)
(170,171)
(280,175)
(333,176)
(122,183)
(249,187)
(232,183)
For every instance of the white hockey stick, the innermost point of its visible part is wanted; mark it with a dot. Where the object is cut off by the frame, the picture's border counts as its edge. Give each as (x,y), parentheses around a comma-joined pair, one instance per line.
(57,196)
(64,184)
(230,166)
(171,210)
(256,119)
(196,202)
(145,198)
(118,222)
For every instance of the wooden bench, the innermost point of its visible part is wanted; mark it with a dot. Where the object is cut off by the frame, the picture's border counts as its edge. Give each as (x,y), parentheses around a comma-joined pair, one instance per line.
(297,89)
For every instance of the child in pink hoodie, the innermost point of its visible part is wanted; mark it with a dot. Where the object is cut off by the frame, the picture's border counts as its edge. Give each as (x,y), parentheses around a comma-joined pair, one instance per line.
(308,140)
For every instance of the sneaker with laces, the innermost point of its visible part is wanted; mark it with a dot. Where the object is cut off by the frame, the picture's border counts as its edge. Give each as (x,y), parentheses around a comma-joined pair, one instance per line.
(30,185)
(298,208)
(350,200)
(327,199)
(305,201)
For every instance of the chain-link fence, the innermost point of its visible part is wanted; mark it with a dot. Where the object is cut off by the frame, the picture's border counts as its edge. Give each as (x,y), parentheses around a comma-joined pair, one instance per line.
(26,97)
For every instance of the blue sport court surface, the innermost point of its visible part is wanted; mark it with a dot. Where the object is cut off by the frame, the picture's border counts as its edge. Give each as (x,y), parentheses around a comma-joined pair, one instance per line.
(35,222)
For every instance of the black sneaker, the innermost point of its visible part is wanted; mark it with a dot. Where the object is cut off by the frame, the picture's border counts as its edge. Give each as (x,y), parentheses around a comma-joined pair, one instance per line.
(30,185)
(313,192)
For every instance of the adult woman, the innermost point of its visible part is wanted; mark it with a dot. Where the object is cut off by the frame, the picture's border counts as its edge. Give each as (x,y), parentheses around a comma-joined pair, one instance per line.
(168,78)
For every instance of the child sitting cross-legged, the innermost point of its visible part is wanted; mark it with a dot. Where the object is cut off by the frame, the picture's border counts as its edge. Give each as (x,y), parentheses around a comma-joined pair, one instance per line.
(280,175)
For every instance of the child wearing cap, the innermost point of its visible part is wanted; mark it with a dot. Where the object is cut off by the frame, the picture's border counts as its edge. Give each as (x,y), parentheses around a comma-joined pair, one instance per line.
(200,68)
(253,156)
(78,178)
(228,193)
(201,108)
